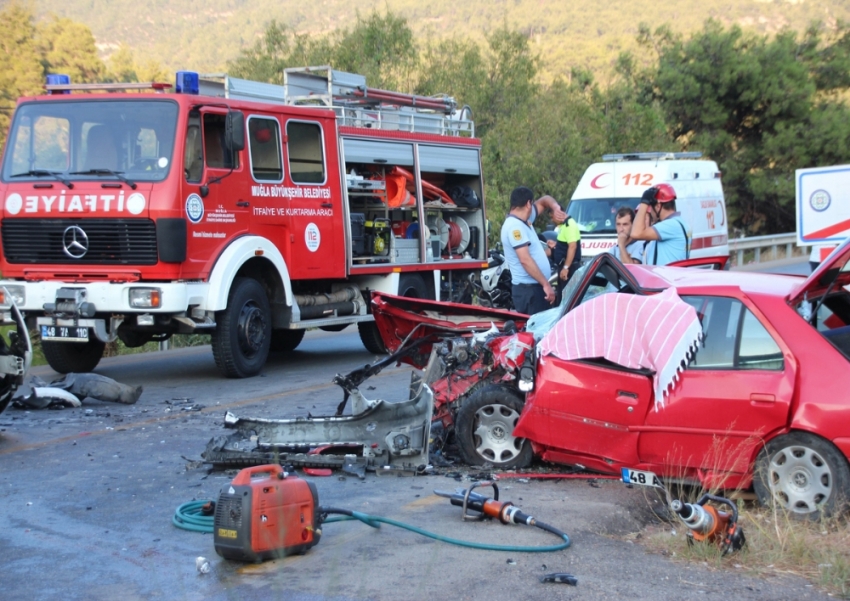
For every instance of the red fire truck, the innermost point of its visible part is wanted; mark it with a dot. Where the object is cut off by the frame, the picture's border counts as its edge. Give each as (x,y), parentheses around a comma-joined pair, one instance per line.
(241,209)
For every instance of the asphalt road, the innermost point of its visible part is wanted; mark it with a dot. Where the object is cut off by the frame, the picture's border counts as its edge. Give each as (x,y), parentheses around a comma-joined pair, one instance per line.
(87,495)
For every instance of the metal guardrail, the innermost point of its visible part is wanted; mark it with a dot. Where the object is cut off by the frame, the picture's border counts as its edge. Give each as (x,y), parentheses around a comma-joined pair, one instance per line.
(758,249)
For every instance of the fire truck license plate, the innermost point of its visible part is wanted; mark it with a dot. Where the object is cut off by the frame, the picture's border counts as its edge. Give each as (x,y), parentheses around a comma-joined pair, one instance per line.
(640,477)
(66,333)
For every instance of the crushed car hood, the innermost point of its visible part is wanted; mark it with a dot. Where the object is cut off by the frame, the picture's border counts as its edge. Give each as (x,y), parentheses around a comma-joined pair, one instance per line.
(401,319)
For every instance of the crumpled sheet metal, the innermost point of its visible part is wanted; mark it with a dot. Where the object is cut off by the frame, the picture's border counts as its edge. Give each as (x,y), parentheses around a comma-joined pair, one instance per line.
(395,434)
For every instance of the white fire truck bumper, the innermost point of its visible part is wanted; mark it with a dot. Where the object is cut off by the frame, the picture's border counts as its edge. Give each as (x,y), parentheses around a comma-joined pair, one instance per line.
(84,301)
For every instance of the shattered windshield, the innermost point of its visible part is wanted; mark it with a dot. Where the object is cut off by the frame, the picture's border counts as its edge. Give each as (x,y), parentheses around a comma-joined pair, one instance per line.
(597,215)
(91,139)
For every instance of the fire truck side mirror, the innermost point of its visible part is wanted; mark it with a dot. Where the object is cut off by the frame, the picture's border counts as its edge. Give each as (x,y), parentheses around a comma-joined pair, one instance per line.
(234,131)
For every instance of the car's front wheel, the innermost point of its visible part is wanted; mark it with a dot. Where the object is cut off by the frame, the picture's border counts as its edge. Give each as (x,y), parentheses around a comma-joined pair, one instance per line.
(803,474)
(485,429)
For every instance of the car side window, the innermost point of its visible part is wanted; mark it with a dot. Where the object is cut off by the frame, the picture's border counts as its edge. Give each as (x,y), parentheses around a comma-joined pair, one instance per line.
(733,337)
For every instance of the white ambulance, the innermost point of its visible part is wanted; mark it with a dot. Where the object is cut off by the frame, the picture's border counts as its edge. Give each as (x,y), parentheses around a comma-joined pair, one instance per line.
(621,179)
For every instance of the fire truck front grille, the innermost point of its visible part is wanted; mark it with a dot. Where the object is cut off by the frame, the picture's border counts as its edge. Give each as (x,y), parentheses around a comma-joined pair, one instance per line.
(80,241)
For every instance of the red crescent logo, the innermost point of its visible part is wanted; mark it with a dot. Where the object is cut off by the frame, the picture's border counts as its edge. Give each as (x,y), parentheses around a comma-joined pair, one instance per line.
(594,182)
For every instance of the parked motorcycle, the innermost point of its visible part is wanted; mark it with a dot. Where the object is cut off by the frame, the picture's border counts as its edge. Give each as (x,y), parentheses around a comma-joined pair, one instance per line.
(492,285)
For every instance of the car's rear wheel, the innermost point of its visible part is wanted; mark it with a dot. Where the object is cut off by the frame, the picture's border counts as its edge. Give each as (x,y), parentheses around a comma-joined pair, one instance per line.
(484,428)
(76,357)
(803,474)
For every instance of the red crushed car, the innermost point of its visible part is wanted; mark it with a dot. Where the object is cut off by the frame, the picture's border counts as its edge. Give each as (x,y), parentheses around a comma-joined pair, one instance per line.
(762,402)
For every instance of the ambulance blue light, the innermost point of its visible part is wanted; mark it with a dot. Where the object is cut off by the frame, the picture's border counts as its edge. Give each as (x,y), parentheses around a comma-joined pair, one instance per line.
(58,79)
(187,82)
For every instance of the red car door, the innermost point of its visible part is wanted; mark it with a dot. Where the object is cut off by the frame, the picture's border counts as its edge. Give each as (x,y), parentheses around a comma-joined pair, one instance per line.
(588,409)
(737,390)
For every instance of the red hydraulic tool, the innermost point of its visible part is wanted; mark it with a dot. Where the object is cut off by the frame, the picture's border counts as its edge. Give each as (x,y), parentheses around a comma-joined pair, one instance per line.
(707,523)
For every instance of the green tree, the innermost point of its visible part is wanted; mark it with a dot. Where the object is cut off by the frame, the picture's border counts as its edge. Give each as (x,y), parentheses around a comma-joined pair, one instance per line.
(381,47)
(761,107)
(279,47)
(68,47)
(121,66)
(21,70)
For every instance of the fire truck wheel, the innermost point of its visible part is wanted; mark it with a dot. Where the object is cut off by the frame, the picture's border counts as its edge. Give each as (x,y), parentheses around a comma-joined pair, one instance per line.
(337,328)
(411,285)
(484,429)
(242,337)
(371,338)
(78,357)
(803,474)
(286,341)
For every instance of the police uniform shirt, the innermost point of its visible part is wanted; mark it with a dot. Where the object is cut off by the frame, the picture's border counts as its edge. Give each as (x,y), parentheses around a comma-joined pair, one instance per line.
(516,233)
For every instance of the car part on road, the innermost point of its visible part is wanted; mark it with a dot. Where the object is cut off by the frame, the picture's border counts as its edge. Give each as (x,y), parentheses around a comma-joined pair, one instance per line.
(394,434)
(803,474)
(560,578)
(15,356)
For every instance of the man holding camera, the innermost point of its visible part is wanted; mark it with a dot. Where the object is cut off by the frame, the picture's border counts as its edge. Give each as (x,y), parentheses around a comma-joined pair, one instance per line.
(667,235)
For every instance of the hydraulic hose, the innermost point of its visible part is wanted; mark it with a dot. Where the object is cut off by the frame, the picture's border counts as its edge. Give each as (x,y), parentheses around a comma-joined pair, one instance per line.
(376,521)
(191,516)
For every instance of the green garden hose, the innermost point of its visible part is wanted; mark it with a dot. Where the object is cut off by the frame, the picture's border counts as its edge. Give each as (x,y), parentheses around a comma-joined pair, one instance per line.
(190,516)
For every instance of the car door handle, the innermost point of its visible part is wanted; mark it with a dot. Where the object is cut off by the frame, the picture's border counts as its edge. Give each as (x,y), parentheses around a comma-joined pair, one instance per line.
(243,203)
(327,205)
(759,397)
(629,398)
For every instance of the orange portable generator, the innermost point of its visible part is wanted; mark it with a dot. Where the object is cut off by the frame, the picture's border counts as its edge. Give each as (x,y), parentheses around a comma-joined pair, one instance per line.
(265,513)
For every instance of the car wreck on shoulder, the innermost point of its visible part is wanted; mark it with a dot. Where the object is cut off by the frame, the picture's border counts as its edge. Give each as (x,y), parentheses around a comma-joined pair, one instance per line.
(730,380)
(750,390)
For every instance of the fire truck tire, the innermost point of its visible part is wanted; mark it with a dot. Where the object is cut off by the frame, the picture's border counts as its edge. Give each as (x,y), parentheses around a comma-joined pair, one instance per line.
(286,341)
(241,340)
(371,338)
(484,429)
(78,357)
(803,474)
(337,328)
(411,285)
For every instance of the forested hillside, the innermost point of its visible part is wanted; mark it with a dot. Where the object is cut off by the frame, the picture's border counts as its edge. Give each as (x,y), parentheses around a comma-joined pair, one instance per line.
(188,34)
(553,85)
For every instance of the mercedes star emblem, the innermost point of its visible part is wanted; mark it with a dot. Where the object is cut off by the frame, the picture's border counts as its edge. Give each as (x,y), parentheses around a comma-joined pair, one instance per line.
(75,242)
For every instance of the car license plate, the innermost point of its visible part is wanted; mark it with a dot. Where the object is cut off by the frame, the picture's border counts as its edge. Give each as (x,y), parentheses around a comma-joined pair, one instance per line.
(65,333)
(640,478)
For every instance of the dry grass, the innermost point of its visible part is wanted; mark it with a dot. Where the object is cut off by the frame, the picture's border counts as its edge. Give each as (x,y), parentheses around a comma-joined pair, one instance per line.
(776,544)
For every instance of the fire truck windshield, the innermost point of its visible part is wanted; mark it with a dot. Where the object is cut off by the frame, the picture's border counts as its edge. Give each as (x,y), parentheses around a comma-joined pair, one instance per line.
(85,139)
(598,215)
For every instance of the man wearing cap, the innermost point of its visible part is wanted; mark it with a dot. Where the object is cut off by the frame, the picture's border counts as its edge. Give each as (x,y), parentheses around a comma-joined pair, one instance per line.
(668,236)
(525,256)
